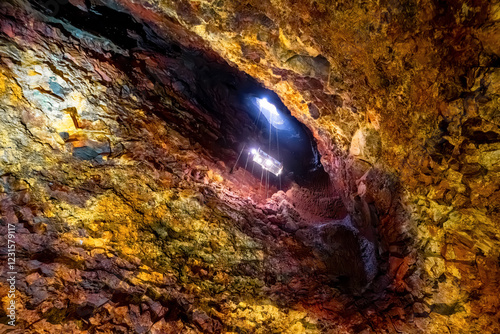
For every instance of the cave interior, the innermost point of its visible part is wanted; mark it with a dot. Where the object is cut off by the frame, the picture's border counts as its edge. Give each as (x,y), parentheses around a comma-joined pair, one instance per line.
(127,136)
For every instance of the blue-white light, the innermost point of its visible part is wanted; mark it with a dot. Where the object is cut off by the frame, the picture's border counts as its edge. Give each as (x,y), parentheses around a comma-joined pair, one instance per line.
(270,112)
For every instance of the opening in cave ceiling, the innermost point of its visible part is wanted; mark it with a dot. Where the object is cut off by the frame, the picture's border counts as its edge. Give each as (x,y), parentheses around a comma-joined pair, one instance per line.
(233,110)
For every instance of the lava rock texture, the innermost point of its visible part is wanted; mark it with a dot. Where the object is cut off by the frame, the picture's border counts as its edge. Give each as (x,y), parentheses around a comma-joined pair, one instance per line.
(119,124)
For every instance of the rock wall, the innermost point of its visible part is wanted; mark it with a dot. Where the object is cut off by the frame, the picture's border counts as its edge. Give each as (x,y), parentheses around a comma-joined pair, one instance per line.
(127,221)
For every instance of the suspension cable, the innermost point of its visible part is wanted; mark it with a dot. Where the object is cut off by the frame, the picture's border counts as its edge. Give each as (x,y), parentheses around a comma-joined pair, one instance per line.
(267,184)
(261,177)
(232,169)
(278,146)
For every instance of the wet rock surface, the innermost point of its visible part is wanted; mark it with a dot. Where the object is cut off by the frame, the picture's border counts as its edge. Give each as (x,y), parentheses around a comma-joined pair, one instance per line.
(117,141)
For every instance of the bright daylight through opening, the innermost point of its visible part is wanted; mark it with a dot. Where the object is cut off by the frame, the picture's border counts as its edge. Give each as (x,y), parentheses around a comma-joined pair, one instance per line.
(270,112)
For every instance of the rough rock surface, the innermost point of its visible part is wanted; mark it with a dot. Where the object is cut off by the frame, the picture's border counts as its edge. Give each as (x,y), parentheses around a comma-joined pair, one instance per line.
(114,167)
